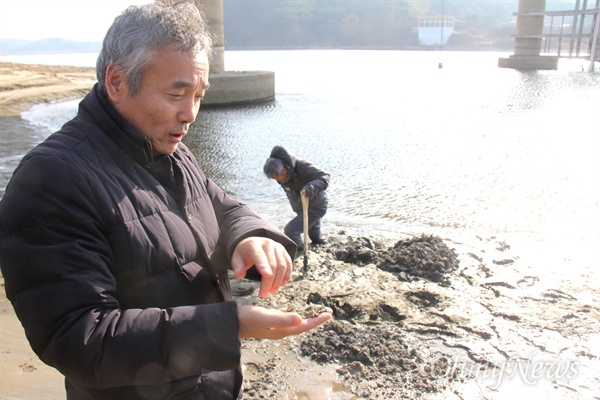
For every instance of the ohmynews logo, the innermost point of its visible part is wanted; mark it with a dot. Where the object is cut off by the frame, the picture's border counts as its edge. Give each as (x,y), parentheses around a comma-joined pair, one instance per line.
(531,369)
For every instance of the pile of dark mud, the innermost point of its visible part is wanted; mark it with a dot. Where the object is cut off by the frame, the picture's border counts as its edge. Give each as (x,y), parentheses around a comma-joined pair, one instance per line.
(375,360)
(426,257)
(374,353)
(360,279)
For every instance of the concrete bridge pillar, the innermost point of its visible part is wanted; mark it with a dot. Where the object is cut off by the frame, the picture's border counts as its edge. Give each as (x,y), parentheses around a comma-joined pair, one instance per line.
(213,10)
(529,25)
(237,87)
(528,40)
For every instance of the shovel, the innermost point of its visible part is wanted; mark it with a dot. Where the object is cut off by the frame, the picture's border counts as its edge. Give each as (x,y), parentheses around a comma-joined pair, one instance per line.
(305,220)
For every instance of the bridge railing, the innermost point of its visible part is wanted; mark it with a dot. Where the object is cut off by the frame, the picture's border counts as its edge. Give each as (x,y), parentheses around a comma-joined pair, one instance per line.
(568,34)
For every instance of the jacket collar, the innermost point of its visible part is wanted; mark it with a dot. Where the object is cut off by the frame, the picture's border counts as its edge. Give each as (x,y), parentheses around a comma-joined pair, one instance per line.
(96,108)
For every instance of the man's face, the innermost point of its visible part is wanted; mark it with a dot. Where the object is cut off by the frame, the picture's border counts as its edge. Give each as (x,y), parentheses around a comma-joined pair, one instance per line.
(282,177)
(169,98)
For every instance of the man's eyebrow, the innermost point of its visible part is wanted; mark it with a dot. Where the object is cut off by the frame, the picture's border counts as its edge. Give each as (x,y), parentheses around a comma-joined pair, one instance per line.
(181,83)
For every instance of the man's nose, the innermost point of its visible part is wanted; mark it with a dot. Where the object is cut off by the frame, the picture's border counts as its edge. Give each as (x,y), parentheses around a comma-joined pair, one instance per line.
(187,113)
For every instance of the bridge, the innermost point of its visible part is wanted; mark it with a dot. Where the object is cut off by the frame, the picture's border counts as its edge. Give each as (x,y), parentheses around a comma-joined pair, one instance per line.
(543,37)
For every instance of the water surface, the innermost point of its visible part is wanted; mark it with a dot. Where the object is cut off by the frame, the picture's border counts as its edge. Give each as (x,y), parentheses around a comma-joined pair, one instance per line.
(466,150)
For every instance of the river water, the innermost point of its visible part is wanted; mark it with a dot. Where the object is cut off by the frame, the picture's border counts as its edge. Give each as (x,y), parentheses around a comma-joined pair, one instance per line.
(464,151)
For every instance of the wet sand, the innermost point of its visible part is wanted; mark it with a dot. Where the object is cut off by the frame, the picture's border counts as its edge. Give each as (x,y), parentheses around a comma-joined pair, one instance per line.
(414,317)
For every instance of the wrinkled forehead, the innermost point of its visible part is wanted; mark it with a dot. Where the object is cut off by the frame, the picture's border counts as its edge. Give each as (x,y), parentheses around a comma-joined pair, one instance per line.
(181,69)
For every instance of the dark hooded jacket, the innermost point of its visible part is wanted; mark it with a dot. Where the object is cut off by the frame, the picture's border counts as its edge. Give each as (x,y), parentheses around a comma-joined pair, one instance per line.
(304,175)
(116,263)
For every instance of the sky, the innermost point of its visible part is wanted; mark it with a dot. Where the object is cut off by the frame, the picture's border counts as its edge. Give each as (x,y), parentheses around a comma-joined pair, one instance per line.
(80,20)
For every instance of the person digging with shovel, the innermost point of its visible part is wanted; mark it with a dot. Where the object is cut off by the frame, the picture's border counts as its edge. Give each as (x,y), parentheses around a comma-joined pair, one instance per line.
(299,178)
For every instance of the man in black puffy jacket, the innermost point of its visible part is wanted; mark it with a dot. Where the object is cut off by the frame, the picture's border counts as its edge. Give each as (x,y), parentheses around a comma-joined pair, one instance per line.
(115,246)
(298,177)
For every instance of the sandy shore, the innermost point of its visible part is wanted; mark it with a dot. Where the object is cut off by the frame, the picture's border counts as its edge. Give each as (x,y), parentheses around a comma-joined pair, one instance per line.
(25,85)
(413,318)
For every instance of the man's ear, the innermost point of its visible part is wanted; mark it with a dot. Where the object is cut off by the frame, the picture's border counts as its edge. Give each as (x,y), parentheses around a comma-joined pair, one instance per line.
(116,86)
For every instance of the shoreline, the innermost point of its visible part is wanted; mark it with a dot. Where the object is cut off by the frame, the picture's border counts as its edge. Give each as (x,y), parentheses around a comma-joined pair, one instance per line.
(22,86)
(501,310)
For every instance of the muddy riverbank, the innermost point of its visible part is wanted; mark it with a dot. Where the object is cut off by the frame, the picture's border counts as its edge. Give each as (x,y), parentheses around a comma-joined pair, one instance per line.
(415,316)
(424,317)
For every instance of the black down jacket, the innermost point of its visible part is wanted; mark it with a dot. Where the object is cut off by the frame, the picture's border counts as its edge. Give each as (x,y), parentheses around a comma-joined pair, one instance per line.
(116,263)
(304,175)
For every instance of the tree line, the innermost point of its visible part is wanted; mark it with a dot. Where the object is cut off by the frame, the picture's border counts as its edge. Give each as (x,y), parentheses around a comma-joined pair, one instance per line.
(281,24)
(352,23)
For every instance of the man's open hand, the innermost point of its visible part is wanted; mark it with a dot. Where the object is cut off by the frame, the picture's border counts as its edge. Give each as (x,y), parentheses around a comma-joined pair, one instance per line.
(261,323)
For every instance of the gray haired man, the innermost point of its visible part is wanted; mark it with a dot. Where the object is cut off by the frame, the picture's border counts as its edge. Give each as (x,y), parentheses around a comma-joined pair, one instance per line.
(115,246)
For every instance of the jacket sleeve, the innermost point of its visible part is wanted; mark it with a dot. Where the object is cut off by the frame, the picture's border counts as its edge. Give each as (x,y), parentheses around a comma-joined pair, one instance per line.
(314,179)
(56,260)
(316,186)
(238,222)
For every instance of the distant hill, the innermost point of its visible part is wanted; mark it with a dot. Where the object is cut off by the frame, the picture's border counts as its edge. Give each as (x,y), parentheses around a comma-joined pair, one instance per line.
(266,24)
(46,46)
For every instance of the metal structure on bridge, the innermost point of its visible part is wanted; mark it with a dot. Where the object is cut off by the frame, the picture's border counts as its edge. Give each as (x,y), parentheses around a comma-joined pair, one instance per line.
(543,37)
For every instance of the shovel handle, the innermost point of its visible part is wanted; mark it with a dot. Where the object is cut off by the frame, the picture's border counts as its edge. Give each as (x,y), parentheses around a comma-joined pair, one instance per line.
(304,199)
